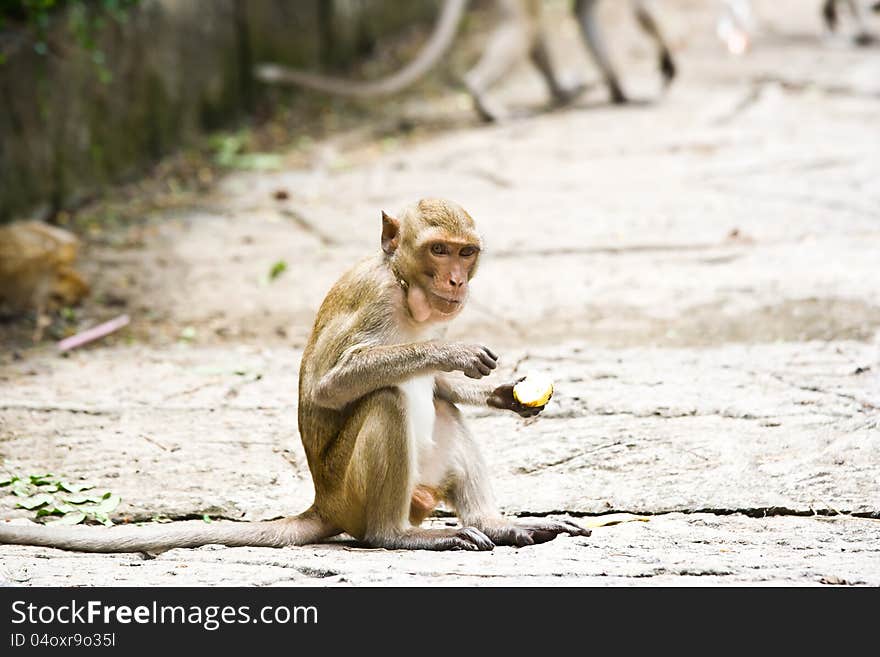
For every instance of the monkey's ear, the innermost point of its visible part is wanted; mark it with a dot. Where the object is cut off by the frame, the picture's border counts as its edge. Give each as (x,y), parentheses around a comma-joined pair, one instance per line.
(390,233)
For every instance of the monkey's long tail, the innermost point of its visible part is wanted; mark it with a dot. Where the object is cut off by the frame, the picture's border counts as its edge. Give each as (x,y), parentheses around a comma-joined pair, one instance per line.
(438,43)
(298,530)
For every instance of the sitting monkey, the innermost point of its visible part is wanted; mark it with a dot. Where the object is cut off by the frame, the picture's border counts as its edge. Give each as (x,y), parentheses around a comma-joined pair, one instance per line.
(518,34)
(378,419)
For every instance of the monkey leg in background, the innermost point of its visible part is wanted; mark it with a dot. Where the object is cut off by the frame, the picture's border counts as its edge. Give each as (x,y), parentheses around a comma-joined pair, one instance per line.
(585,12)
(863,36)
(519,34)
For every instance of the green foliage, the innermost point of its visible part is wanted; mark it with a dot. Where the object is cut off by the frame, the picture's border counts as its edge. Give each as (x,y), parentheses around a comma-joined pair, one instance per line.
(230,152)
(85,19)
(56,500)
(277,269)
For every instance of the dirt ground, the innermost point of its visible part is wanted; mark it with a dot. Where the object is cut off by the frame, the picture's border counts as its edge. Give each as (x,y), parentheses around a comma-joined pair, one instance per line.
(699,273)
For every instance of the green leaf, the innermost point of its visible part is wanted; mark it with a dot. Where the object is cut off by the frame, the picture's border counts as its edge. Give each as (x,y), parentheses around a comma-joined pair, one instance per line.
(110,502)
(207,518)
(8,480)
(78,498)
(69,519)
(36,501)
(42,480)
(103,519)
(277,269)
(73,488)
(48,511)
(63,508)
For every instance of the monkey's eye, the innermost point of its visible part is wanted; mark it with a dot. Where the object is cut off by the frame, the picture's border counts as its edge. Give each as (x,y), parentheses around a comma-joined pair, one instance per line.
(439,249)
(467,252)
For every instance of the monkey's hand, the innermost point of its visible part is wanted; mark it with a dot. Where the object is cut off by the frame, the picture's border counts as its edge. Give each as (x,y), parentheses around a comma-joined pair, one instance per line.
(502,397)
(474,360)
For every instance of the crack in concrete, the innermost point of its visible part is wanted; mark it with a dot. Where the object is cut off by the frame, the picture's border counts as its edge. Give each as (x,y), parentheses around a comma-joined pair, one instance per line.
(750,512)
(749,98)
(567,459)
(865,404)
(146,406)
(758,512)
(790,84)
(300,220)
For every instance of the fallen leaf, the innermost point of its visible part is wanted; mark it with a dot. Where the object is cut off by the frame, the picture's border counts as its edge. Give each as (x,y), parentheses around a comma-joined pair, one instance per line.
(73,518)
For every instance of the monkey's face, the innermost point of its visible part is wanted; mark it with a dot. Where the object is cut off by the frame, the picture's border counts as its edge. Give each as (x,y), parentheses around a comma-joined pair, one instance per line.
(434,253)
(446,267)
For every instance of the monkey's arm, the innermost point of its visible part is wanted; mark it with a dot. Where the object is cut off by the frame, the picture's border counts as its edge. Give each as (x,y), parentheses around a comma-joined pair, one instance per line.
(363,369)
(470,393)
(481,394)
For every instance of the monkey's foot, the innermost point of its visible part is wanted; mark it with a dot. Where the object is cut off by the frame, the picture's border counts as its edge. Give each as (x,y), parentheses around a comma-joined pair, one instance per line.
(531,532)
(466,538)
(667,68)
(864,39)
(617,95)
(570,93)
(489,112)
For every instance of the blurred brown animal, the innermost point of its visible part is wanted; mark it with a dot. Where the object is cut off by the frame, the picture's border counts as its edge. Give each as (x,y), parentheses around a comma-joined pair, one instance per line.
(36,270)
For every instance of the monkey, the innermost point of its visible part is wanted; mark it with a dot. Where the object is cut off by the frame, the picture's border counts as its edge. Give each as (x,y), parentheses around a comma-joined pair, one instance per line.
(37,272)
(589,26)
(863,36)
(518,35)
(379,418)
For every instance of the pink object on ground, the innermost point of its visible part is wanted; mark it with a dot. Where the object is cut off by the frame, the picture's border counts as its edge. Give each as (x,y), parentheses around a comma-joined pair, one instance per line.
(94,333)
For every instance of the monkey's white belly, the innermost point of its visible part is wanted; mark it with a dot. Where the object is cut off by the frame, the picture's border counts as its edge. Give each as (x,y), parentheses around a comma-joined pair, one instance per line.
(421,416)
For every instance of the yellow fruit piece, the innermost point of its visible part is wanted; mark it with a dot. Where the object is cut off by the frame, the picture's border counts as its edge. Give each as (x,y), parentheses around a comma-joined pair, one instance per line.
(535,390)
(610,519)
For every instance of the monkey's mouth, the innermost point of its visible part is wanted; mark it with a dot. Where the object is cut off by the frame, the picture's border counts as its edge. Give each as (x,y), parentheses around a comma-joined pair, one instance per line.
(445,305)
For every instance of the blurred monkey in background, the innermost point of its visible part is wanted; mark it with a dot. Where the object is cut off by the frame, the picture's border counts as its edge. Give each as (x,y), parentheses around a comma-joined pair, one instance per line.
(519,34)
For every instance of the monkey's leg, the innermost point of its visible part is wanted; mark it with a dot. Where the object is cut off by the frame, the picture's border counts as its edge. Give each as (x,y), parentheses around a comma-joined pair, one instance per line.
(380,480)
(649,25)
(40,322)
(863,36)
(540,55)
(829,13)
(470,491)
(507,45)
(585,11)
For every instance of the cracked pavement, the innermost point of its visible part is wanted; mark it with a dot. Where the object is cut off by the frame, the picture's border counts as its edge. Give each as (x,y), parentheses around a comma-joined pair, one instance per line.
(699,276)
